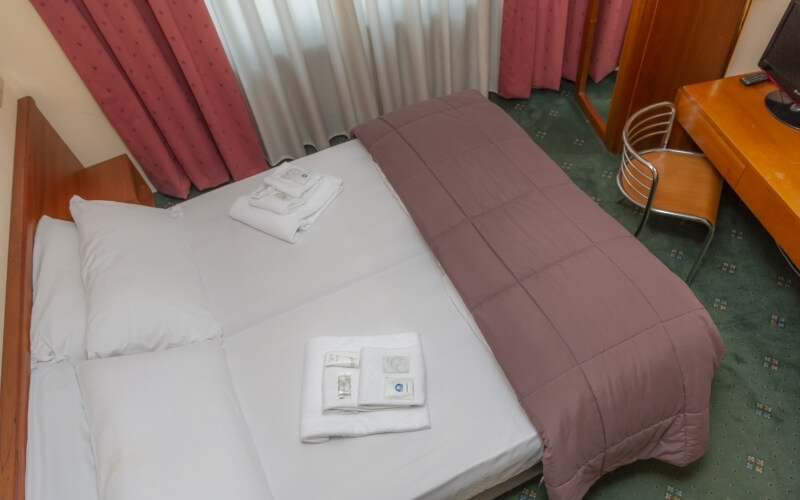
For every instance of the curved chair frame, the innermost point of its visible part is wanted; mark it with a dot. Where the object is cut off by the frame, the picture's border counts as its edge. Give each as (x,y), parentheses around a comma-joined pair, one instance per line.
(641,176)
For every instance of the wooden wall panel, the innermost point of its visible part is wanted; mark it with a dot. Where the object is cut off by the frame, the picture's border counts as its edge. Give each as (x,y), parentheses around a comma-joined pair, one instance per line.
(46,175)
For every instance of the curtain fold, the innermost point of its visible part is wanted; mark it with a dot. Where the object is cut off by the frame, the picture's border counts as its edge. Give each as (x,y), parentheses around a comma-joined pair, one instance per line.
(541,42)
(159,73)
(313,69)
(609,35)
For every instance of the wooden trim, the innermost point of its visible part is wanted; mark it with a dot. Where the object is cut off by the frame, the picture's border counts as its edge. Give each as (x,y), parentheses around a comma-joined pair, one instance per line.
(595,120)
(587,43)
(640,24)
(40,158)
(46,175)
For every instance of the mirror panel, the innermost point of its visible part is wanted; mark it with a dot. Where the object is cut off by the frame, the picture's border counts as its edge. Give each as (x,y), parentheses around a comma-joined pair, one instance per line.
(587,44)
(658,56)
(604,32)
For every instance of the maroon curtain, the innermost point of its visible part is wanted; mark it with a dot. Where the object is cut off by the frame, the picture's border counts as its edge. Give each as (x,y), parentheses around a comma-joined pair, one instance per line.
(540,42)
(158,71)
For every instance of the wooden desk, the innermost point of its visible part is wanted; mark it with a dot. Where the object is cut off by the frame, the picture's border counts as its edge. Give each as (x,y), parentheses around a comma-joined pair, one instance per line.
(756,154)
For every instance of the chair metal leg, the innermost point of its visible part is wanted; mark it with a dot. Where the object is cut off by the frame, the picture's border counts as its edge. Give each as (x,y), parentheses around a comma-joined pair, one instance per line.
(641,223)
(706,244)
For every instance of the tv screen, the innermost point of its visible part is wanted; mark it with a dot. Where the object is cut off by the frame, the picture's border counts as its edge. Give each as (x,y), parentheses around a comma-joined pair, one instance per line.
(781,62)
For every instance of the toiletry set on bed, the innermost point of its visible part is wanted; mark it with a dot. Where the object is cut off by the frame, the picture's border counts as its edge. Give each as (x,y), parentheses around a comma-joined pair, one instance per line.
(288,203)
(355,386)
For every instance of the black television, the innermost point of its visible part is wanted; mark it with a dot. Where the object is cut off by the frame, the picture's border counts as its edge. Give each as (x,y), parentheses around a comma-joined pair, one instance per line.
(781,63)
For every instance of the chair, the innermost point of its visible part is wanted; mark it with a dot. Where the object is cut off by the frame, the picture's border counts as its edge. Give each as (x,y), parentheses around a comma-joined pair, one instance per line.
(667,181)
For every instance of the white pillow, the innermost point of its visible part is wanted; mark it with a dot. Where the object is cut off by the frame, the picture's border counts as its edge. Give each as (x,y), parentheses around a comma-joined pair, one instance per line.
(58,317)
(167,425)
(143,290)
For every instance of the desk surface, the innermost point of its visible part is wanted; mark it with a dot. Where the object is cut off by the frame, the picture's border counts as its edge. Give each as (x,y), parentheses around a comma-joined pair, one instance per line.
(756,154)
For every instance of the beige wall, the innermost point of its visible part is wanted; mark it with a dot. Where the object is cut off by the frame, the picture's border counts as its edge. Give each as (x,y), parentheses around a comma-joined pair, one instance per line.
(8,111)
(761,22)
(32,63)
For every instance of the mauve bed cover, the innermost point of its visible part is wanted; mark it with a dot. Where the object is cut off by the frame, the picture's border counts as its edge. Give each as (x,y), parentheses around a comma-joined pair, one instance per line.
(610,354)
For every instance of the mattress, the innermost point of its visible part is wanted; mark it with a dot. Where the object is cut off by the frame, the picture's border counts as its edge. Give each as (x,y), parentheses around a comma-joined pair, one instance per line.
(60,463)
(479,435)
(365,230)
(362,269)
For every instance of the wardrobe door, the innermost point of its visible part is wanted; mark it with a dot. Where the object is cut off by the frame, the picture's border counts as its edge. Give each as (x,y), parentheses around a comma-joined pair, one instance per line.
(671,43)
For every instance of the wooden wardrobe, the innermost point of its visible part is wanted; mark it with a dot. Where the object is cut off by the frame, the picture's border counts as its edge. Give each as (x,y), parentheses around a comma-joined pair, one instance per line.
(668,44)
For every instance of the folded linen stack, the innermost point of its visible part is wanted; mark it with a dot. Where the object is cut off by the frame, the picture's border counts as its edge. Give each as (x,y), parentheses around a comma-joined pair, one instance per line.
(369,385)
(289,202)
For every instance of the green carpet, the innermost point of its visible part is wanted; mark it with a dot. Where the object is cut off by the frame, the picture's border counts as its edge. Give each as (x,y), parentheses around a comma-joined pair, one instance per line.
(753,297)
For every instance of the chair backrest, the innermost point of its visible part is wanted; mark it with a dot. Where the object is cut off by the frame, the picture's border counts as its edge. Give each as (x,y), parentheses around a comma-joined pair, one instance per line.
(645,131)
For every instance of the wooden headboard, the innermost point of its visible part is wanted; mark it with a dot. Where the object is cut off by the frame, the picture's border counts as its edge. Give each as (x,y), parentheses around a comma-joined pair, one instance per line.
(46,175)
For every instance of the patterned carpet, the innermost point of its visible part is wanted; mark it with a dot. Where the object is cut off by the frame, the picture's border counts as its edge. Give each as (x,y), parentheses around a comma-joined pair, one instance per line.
(752,295)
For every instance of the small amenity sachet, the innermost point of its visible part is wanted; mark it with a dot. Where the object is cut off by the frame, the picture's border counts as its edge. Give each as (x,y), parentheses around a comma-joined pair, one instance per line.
(340,382)
(373,379)
(340,390)
(391,377)
(269,198)
(291,180)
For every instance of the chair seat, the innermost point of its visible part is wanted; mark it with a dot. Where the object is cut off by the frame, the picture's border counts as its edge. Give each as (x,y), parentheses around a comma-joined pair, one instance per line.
(688,184)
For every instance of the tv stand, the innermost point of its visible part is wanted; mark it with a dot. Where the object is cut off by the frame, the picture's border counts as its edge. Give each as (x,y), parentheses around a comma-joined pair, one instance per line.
(756,155)
(783,108)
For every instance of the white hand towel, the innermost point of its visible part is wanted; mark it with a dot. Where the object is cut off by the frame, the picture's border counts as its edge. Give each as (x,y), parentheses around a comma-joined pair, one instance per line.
(393,377)
(291,180)
(288,227)
(318,427)
(269,198)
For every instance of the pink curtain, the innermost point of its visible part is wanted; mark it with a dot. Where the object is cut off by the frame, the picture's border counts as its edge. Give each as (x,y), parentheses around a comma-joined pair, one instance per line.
(541,39)
(608,37)
(159,72)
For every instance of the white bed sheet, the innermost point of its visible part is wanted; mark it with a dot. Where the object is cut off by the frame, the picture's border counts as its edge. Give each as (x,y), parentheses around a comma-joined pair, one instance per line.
(267,276)
(479,435)
(275,295)
(166,425)
(60,462)
(362,269)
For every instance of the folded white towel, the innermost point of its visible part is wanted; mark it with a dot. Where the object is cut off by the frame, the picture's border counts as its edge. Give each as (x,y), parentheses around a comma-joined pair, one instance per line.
(294,181)
(269,198)
(318,427)
(393,377)
(288,227)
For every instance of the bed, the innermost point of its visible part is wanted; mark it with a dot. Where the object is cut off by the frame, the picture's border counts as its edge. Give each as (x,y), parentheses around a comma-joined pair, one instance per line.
(367,269)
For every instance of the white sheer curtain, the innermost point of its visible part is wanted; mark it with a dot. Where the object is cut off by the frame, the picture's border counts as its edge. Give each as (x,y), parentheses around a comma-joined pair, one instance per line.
(313,69)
